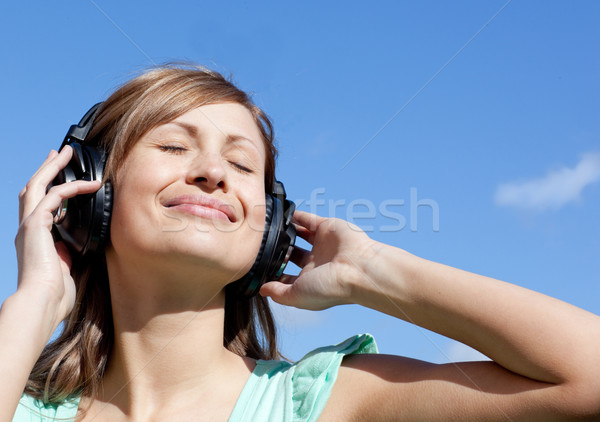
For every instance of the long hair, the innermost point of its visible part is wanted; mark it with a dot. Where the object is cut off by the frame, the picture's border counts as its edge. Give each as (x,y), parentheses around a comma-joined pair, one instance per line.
(74,363)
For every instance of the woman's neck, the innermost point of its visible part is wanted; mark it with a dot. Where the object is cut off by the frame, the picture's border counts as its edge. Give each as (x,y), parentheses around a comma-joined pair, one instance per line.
(168,344)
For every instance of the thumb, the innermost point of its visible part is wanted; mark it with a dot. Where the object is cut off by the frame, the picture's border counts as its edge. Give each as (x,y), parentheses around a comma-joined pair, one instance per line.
(281,293)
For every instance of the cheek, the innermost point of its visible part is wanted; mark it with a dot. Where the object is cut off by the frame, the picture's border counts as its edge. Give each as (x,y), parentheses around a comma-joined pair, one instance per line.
(126,223)
(134,212)
(254,227)
(254,220)
(256,216)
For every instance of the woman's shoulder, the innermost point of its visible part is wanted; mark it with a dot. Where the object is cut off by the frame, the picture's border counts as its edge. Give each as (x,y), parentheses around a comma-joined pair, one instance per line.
(31,409)
(282,391)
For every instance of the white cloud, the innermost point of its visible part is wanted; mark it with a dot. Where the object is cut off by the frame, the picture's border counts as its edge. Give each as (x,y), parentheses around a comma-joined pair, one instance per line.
(458,352)
(556,189)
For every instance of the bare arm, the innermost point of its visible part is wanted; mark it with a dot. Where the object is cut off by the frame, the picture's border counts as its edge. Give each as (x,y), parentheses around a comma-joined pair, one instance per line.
(46,290)
(543,349)
(26,324)
(526,332)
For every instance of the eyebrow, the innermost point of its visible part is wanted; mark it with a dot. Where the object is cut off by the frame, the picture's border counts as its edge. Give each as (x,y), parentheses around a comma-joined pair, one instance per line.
(190,129)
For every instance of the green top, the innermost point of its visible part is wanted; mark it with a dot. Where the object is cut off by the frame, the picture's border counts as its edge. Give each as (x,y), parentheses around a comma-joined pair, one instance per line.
(276,391)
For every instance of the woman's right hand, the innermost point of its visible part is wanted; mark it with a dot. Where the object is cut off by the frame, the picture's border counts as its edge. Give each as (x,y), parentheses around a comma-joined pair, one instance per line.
(44,266)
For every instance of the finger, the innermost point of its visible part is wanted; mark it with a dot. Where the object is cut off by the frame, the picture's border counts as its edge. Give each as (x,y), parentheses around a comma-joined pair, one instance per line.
(307,220)
(287,278)
(50,156)
(305,234)
(279,292)
(36,187)
(300,256)
(57,194)
(55,162)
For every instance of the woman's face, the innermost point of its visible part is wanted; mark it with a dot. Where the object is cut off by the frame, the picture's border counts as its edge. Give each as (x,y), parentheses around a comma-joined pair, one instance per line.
(191,194)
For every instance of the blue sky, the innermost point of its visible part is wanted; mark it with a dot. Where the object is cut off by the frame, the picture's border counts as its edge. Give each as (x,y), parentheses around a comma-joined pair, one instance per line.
(487,113)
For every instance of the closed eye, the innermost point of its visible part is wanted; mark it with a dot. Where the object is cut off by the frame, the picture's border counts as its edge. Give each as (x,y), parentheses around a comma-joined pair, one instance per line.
(241,168)
(177,149)
(172,149)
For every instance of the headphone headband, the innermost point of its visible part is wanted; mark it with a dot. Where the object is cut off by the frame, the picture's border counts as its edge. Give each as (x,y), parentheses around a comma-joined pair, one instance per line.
(78,132)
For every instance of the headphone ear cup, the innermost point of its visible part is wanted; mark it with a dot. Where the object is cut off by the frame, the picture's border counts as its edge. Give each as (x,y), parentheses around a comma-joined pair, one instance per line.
(84,227)
(104,227)
(276,247)
(250,284)
(264,245)
(100,206)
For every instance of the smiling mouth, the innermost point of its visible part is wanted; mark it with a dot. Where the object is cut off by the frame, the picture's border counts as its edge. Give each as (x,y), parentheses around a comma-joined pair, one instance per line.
(202,206)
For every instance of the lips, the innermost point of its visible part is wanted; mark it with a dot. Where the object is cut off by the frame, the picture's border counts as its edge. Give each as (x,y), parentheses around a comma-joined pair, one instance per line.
(203,206)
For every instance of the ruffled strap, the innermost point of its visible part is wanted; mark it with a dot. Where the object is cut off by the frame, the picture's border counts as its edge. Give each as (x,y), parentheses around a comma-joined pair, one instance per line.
(315,374)
(283,392)
(33,410)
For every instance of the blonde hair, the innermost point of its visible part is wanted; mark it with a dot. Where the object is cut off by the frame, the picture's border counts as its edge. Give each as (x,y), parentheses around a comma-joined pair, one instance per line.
(75,362)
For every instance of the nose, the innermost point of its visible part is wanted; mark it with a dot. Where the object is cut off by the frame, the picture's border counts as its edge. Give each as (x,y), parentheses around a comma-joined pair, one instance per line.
(207,170)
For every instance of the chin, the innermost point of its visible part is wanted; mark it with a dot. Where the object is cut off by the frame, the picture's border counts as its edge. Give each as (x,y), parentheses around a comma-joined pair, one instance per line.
(235,256)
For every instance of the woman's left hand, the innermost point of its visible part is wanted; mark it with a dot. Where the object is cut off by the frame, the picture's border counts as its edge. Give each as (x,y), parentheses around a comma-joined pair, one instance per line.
(329,270)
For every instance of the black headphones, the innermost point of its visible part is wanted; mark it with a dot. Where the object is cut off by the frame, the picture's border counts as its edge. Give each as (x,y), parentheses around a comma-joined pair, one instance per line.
(83,222)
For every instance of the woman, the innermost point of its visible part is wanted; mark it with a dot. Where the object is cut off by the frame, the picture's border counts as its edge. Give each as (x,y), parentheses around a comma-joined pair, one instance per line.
(154,332)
